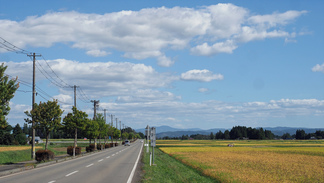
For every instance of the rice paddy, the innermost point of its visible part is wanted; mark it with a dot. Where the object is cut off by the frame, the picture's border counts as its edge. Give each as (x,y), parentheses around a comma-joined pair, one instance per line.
(252,161)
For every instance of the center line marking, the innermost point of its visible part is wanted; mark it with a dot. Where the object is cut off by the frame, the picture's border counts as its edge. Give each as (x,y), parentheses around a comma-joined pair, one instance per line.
(52,181)
(89,165)
(100,160)
(113,155)
(108,157)
(71,173)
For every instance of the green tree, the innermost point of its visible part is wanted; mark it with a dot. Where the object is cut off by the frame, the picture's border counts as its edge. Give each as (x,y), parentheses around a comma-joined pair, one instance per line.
(300,134)
(100,119)
(47,116)
(7,89)
(92,130)
(74,121)
(116,134)
(211,136)
(17,130)
(125,135)
(227,135)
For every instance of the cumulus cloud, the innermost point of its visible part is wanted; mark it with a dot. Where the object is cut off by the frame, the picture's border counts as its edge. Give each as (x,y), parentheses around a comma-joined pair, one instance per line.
(201,75)
(98,79)
(318,68)
(150,32)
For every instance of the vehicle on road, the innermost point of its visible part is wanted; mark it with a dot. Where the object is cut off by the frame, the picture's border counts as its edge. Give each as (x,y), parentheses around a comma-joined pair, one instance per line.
(127,143)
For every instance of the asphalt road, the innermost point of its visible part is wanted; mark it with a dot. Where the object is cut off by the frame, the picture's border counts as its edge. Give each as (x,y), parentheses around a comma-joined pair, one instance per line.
(111,165)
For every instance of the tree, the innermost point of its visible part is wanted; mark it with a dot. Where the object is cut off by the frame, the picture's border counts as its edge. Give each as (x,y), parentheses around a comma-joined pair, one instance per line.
(7,90)
(211,136)
(74,121)
(17,130)
(19,136)
(227,135)
(47,116)
(300,134)
(100,119)
(92,130)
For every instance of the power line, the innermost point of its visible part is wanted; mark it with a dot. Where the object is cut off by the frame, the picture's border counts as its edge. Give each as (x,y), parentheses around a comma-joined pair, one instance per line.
(12,48)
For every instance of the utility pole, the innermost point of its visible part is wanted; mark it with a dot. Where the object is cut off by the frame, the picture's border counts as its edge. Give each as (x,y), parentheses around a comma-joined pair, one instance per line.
(105,115)
(112,120)
(120,130)
(95,104)
(75,94)
(76,129)
(33,102)
(116,127)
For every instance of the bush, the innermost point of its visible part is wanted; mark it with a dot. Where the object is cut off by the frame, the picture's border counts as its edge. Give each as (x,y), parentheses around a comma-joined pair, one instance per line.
(107,146)
(100,146)
(91,148)
(70,150)
(43,155)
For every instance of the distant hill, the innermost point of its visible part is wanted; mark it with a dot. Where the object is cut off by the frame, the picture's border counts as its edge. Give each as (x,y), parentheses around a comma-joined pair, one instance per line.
(163,131)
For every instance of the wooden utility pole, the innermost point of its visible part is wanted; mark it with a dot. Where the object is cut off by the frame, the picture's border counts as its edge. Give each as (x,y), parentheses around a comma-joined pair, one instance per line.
(33,102)
(95,104)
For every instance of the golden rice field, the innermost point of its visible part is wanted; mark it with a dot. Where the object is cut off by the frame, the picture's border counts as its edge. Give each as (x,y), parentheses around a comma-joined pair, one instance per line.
(16,148)
(252,161)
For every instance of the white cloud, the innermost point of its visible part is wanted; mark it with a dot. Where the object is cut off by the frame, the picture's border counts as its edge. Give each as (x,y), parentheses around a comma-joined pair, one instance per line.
(318,68)
(97,53)
(221,47)
(201,75)
(203,90)
(98,79)
(150,32)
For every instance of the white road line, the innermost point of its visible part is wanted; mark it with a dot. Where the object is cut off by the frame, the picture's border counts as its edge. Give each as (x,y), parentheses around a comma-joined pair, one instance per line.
(113,155)
(52,181)
(108,157)
(89,165)
(71,173)
(100,160)
(130,178)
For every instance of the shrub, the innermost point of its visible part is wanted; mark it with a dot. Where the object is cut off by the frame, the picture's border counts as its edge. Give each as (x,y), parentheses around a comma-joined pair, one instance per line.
(91,148)
(100,147)
(43,155)
(70,150)
(107,146)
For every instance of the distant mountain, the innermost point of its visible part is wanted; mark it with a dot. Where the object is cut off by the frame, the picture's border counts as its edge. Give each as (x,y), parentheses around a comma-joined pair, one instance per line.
(291,130)
(163,131)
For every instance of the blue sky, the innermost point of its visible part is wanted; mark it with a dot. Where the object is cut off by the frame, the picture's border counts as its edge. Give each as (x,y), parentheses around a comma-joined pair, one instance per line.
(185,64)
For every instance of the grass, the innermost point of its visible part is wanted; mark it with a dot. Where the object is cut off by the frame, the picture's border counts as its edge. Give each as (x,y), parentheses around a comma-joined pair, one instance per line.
(10,157)
(169,170)
(15,154)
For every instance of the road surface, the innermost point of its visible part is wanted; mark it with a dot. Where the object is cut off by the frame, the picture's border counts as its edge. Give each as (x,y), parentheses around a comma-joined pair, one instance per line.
(111,165)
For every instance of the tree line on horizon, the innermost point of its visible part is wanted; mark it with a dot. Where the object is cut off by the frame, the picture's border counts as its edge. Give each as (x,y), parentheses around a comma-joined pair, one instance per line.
(242,132)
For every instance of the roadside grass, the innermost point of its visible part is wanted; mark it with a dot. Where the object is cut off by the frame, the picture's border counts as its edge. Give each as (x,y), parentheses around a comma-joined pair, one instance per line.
(10,157)
(169,170)
(15,154)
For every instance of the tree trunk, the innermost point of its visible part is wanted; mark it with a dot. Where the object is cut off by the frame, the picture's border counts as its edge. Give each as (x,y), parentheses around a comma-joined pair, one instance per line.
(47,136)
